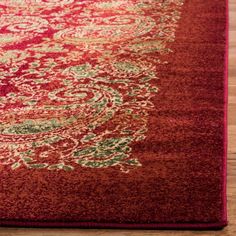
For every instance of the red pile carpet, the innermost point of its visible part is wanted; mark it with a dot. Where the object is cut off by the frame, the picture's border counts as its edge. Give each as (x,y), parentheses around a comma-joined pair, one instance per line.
(113,113)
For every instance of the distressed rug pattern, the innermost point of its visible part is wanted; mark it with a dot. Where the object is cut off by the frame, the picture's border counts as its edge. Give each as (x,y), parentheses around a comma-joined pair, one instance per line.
(112,113)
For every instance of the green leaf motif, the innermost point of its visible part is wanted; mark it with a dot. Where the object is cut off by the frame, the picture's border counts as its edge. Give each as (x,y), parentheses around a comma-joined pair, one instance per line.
(15,165)
(38,166)
(108,152)
(67,168)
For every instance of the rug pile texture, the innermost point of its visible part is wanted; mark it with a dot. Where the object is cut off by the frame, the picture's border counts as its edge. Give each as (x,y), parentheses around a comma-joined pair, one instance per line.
(113,113)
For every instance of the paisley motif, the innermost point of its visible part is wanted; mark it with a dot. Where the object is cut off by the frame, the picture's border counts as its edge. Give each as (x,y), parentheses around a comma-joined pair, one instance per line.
(14,28)
(107,29)
(22,24)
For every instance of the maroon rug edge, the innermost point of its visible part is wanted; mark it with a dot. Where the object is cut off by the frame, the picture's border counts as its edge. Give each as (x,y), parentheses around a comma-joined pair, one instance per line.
(198,226)
(226,59)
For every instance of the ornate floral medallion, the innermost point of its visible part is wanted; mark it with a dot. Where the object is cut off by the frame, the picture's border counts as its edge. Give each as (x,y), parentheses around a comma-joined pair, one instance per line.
(77,78)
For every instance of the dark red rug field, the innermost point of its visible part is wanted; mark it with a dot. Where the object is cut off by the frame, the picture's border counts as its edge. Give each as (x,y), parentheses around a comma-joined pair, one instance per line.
(113,113)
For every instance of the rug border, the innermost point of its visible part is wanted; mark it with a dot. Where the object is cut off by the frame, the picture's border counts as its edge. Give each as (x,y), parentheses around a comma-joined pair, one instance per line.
(226,81)
(197,226)
(167,226)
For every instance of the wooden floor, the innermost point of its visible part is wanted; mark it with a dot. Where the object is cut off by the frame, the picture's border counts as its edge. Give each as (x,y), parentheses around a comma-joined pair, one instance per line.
(228,231)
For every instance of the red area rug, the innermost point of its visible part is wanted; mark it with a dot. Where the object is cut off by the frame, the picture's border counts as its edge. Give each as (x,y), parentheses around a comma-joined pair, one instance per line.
(113,113)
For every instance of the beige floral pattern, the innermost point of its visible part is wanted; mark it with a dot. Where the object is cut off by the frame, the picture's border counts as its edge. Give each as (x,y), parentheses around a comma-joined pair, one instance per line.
(77,80)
